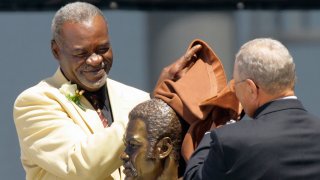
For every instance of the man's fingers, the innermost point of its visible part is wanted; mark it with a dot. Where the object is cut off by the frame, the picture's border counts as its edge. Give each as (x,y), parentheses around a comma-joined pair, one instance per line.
(183,71)
(192,51)
(177,69)
(184,62)
(188,56)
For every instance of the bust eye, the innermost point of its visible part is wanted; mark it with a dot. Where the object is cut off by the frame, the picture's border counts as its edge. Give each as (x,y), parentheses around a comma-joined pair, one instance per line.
(133,145)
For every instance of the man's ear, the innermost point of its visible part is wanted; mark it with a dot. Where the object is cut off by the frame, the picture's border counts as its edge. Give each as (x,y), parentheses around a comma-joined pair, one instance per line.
(253,89)
(55,49)
(164,147)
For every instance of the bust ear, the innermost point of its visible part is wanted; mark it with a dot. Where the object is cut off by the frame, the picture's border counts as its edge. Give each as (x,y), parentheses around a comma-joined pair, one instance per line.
(164,147)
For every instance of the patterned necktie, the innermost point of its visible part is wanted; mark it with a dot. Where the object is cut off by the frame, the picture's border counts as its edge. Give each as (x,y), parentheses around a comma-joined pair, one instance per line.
(97,106)
(103,119)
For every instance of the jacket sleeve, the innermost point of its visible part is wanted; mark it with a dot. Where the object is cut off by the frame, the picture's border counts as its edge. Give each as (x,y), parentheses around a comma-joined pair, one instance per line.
(207,160)
(50,138)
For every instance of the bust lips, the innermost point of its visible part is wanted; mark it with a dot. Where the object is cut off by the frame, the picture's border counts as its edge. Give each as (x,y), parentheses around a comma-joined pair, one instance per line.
(129,170)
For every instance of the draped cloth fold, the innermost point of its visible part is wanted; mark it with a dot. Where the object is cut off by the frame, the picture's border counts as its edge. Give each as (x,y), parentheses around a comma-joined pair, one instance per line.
(201,97)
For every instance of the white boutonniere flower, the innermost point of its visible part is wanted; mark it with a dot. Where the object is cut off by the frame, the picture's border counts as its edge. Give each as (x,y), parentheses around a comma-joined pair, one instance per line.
(72,93)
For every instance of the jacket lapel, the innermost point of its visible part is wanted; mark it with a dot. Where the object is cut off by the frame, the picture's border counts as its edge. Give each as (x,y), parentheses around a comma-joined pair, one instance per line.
(88,115)
(116,100)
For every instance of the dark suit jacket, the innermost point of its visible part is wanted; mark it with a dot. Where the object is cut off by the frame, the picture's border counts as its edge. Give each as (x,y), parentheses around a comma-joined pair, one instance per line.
(282,142)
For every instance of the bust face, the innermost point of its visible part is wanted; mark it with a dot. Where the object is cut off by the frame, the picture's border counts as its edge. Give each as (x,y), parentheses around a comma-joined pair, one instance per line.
(136,163)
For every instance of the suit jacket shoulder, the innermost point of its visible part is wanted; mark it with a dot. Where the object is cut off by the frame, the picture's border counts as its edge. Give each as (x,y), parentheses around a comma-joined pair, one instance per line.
(277,140)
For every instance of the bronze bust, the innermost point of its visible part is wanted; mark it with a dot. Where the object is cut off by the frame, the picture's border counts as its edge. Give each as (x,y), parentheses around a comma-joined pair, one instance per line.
(153,142)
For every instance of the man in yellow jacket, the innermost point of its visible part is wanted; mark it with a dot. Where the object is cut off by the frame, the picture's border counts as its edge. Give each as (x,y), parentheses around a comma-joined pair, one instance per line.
(71,125)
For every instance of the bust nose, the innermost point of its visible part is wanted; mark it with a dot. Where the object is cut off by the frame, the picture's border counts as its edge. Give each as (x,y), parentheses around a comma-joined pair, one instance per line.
(94,59)
(124,156)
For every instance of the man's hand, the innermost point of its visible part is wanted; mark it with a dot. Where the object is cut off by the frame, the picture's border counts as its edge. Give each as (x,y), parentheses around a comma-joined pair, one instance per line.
(177,69)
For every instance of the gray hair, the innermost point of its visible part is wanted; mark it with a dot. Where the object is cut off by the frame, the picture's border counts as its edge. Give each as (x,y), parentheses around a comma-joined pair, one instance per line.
(76,12)
(268,63)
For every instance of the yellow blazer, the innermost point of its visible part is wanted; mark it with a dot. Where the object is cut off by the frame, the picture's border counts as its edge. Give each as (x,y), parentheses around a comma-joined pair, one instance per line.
(59,140)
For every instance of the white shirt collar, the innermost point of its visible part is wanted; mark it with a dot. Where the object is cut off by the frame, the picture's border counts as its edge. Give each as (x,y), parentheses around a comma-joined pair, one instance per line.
(288,97)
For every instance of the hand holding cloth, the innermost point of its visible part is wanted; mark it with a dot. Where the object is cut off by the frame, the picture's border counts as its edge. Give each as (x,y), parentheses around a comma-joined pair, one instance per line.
(201,96)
